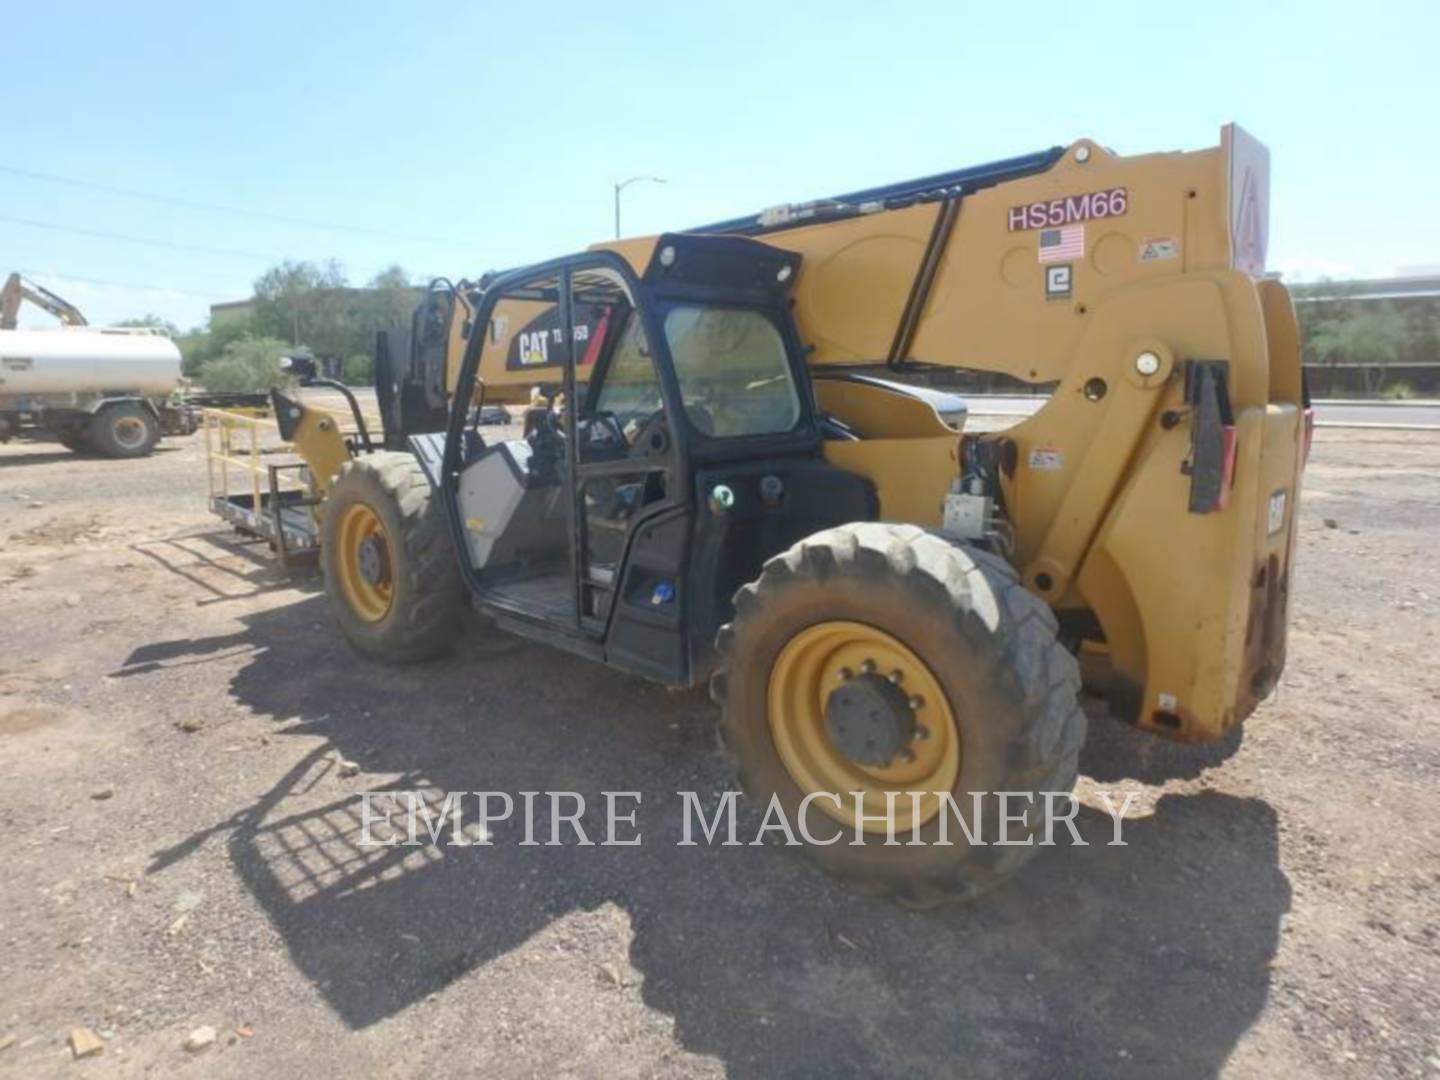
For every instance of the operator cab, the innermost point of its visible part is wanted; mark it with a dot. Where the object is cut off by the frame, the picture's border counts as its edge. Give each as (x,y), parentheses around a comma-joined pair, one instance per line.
(621,526)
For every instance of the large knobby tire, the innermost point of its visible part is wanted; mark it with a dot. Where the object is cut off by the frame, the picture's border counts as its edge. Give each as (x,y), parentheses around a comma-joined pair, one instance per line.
(978,657)
(123,431)
(388,561)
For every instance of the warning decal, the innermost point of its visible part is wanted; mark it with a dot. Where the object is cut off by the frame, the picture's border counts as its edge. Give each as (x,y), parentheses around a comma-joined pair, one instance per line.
(1047,458)
(1160,248)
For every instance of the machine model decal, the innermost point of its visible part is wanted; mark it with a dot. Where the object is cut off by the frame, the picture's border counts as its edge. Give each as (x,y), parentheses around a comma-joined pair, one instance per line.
(1058,280)
(1064,244)
(1047,459)
(1069,210)
(531,346)
(1162,247)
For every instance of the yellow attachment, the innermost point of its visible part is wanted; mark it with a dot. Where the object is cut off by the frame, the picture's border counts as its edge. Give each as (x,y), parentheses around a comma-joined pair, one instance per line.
(365,564)
(317,439)
(818,660)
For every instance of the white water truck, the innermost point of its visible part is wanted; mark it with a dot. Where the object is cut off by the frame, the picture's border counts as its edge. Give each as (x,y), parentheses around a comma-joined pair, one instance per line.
(112,391)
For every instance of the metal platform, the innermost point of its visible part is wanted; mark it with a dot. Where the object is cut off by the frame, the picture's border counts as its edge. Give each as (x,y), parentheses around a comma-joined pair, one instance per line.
(259,495)
(286,523)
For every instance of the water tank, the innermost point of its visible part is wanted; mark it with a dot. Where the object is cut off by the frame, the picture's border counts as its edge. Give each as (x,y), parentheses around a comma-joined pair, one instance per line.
(87,360)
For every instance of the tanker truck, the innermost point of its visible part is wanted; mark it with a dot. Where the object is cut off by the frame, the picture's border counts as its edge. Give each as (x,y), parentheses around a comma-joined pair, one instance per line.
(112,391)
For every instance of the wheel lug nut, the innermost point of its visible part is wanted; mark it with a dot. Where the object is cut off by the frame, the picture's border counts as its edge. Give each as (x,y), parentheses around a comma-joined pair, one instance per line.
(907,755)
(846,674)
(895,677)
(916,703)
(922,732)
(868,667)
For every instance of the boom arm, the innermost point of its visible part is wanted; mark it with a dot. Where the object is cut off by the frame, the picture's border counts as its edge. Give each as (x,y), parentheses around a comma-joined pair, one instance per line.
(18,289)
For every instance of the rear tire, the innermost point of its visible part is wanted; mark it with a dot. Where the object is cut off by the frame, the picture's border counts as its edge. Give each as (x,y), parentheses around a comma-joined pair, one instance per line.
(388,561)
(123,431)
(976,635)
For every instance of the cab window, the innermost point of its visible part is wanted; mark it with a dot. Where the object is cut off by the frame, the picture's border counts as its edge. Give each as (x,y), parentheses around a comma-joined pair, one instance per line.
(734,375)
(632,390)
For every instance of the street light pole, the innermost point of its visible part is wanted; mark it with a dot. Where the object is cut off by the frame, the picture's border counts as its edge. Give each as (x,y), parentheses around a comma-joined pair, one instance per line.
(621,187)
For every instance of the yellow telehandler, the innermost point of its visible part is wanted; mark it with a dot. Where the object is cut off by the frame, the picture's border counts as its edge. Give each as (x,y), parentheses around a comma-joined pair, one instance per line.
(894,616)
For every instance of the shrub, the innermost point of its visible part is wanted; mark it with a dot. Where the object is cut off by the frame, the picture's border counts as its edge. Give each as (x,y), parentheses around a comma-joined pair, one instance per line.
(1398,390)
(359,370)
(248,365)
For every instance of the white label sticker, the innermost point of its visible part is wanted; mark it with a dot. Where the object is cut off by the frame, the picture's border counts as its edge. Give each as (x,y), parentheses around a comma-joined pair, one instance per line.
(1275,521)
(1160,248)
(1047,458)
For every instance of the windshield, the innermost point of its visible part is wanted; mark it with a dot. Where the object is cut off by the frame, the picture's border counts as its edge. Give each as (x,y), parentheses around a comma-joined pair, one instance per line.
(734,376)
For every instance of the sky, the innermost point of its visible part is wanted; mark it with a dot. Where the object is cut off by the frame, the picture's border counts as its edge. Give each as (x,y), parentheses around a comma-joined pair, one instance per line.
(453,139)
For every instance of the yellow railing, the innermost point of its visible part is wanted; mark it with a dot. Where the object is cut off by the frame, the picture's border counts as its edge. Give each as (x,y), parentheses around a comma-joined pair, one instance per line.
(236,439)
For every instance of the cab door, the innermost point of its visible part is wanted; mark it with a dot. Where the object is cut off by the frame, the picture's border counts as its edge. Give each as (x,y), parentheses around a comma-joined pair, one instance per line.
(632,508)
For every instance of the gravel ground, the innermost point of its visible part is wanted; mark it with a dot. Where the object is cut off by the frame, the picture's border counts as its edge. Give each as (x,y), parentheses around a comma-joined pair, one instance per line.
(181,818)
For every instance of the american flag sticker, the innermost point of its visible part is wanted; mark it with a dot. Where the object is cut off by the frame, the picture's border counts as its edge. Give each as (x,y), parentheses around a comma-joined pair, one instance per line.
(1062,244)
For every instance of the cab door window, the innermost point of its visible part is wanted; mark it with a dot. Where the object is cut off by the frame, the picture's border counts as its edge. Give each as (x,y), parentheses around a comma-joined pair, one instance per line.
(631,390)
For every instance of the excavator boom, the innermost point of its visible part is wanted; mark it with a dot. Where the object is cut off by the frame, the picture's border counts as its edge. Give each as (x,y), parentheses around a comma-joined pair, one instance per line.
(18,289)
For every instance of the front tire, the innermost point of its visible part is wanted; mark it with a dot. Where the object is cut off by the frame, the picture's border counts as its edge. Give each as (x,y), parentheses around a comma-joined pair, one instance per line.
(388,561)
(950,678)
(123,431)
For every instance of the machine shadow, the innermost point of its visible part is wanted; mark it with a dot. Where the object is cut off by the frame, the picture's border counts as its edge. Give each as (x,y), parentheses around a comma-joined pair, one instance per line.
(1098,959)
(207,560)
(50,456)
(1116,751)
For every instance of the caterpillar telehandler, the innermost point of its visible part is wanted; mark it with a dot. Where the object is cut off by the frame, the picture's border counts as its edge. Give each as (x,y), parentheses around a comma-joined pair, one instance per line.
(893,616)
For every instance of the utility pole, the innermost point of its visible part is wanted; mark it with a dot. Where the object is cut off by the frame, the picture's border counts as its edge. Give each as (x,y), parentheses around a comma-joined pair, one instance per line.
(621,187)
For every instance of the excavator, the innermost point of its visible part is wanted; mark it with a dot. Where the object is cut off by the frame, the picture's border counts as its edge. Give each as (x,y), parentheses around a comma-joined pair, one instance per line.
(18,289)
(897,619)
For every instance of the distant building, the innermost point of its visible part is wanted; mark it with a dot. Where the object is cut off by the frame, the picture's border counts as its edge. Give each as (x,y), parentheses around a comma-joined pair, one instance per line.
(230,311)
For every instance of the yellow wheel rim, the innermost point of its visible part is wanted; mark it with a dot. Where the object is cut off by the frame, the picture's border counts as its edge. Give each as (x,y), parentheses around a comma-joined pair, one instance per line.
(814,663)
(365,566)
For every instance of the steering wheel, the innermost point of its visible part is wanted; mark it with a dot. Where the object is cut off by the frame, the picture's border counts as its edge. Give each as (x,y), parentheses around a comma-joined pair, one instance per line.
(653,438)
(602,431)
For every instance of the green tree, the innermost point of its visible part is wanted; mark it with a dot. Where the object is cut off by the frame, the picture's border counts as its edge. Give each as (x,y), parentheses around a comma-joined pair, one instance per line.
(205,343)
(313,305)
(1372,337)
(296,302)
(247,365)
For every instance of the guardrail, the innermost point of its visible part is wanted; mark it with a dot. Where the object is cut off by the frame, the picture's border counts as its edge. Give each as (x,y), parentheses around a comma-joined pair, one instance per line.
(254,494)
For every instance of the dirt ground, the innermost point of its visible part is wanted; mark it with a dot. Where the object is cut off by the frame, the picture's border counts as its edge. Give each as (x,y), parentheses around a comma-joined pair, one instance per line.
(1274,912)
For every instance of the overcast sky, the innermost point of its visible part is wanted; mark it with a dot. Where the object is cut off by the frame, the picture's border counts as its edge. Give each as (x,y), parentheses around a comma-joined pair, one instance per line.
(451,139)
